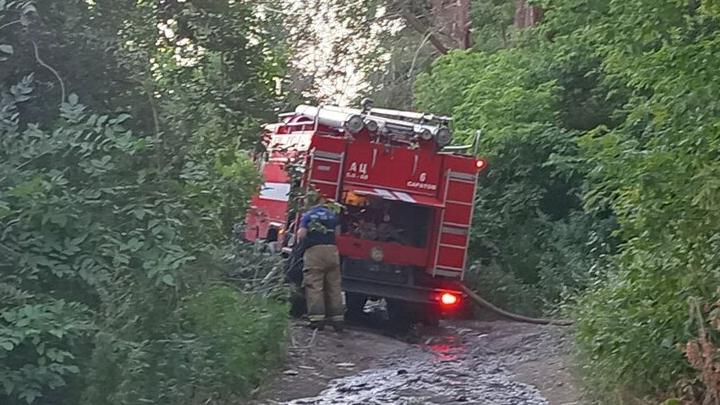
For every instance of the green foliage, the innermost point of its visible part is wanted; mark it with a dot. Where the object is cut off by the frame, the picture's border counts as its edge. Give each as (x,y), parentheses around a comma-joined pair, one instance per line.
(204,348)
(503,288)
(631,322)
(409,56)
(115,215)
(529,222)
(492,23)
(601,133)
(245,333)
(95,253)
(37,342)
(398,50)
(657,172)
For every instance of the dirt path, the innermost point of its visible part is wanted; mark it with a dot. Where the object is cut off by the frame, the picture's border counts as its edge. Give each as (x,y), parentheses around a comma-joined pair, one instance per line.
(463,362)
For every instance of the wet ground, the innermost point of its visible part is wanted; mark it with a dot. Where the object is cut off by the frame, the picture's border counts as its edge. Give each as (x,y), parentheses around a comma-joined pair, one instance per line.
(462,362)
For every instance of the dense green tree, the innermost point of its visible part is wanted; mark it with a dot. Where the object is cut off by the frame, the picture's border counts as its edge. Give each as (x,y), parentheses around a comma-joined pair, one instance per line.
(125,134)
(655,170)
(533,240)
(602,114)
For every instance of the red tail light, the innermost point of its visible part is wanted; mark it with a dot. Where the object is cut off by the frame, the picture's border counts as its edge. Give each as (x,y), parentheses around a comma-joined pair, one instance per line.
(449,299)
(480,164)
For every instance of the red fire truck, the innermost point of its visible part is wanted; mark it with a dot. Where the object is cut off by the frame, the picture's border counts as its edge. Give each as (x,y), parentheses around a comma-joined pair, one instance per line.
(407,201)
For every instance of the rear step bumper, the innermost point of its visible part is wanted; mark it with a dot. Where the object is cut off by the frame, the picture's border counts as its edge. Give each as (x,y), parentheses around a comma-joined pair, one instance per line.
(424,295)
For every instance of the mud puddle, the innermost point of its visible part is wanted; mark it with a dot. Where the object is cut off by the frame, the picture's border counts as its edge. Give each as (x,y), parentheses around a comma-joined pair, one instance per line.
(468,362)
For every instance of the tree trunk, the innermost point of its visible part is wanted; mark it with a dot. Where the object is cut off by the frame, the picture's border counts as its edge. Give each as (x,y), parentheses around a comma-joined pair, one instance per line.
(452,19)
(413,22)
(526,15)
(463,24)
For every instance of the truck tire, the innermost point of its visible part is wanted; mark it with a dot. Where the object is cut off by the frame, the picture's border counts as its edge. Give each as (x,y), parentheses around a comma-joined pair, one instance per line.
(430,316)
(400,314)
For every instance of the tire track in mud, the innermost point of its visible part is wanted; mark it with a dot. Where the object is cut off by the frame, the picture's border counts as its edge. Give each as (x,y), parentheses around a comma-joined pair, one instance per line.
(444,372)
(464,363)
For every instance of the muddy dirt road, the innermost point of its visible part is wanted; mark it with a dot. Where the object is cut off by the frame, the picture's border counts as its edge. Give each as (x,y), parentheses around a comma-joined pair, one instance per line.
(463,362)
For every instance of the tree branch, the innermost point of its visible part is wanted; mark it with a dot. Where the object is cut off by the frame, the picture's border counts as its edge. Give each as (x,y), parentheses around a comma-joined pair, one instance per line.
(148,89)
(413,22)
(417,52)
(50,68)
(10,24)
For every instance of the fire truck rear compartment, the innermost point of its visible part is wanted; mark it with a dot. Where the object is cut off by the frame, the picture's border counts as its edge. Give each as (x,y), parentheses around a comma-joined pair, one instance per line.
(386,221)
(393,225)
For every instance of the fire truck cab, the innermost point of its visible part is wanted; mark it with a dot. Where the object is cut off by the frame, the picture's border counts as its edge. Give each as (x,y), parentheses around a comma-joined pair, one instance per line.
(407,201)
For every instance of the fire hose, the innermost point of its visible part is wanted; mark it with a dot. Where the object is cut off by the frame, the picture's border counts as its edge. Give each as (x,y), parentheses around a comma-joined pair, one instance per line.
(515,317)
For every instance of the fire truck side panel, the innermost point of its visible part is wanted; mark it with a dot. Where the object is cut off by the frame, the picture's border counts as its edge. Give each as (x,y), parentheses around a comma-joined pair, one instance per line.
(270,206)
(453,236)
(394,169)
(394,253)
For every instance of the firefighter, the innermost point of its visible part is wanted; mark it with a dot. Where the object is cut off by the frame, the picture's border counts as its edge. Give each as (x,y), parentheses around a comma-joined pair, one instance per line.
(321,271)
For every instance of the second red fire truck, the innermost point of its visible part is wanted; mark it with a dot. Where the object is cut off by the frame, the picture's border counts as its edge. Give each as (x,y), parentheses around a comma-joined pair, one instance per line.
(407,201)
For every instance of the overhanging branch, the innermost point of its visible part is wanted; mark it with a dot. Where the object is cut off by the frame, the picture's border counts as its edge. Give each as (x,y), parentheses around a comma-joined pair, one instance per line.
(413,22)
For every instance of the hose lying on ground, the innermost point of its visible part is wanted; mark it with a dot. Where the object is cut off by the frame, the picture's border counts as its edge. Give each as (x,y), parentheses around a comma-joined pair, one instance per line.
(484,303)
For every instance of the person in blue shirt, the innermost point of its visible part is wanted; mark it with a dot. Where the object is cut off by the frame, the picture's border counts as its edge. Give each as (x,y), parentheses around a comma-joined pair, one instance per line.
(319,227)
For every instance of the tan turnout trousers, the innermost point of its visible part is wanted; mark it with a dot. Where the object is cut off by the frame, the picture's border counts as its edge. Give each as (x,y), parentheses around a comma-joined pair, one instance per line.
(322,282)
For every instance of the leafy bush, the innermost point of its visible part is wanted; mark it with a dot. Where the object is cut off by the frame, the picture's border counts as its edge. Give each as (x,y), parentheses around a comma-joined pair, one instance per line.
(531,239)
(224,341)
(114,215)
(246,334)
(601,133)
(657,171)
(574,250)
(503,289)
(99,250)
(629,326)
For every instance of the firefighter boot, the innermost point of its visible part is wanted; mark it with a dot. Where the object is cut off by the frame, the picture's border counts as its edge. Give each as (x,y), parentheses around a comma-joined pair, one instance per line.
(339,326)
(319,325)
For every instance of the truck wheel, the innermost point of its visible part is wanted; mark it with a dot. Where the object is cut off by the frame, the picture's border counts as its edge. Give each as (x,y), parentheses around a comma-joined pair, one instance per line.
(400,315)
(430,316)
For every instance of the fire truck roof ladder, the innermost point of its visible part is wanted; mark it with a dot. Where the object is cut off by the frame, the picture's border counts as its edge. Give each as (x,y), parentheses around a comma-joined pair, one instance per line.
(403,123)
(417,117)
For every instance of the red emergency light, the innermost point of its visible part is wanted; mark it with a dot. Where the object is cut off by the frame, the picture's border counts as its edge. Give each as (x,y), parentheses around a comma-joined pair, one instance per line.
(480,164)
(449,299)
